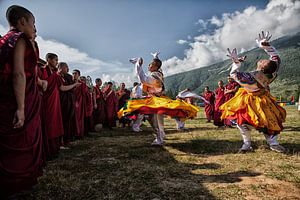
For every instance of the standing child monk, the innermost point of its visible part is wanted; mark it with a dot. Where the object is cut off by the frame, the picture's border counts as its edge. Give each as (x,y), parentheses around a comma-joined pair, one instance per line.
(209,107)
(111,106)
(253,105)
(99,106)
(220,99)
(20,125)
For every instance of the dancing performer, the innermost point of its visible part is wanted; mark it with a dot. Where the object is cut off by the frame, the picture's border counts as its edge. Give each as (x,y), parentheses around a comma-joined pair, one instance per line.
(253,105)
(156,104)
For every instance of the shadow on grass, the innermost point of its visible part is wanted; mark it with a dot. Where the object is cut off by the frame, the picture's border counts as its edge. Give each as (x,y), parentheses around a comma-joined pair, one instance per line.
(291,128)
(208,147)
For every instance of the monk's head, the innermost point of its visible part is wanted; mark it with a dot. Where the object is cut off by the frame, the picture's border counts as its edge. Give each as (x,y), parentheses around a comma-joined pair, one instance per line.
(98,82)
(206,89)
(75,74)
(63,67)
(230,79)
(22,19)
(52,60)
(220,83)
(122,86)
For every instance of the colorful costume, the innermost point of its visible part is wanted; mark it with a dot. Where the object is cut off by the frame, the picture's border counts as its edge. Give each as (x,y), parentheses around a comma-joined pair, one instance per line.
(156,105)
(253,104)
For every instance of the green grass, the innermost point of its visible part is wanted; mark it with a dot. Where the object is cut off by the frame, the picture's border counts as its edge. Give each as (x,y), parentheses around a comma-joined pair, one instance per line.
(200,163)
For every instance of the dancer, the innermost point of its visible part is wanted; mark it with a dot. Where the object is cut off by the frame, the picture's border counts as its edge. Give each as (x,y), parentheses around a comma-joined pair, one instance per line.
(156,104)
(253,105)
(137,93)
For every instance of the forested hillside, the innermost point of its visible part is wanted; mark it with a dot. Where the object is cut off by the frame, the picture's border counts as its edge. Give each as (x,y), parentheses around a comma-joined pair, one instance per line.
(286,85)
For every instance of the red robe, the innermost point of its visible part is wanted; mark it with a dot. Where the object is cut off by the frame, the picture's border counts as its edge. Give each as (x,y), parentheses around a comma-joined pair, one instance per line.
(67,101)
(88,101)
(220,99)
(80,94)
(209,108)
(99,114)
(52,118)
(230,86)
(111,109)
(20,149)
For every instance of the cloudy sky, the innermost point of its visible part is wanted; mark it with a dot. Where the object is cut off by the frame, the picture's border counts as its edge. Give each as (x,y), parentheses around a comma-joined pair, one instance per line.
(99,36)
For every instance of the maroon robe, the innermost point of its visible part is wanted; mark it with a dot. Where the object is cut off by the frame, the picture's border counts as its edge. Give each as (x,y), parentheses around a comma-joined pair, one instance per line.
(230,86)
(88,101)
(52,118)
(67,102)
(220,99)
(111,109)
(99,114)
(209,108)
(20,149)
(80,108)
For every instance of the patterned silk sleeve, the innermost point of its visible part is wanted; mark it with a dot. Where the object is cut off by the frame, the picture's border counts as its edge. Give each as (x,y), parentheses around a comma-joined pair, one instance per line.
(245,79)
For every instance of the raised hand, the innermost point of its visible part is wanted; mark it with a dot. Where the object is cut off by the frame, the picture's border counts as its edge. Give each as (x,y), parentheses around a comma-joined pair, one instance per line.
(234,57)
(263,39)
(155,55)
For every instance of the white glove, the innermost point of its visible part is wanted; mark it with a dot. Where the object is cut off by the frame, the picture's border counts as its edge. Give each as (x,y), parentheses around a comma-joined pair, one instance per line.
(263,39)
(234,57)
(155,55)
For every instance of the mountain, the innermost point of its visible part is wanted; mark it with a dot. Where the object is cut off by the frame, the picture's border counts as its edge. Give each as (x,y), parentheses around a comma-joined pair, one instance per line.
(286,85)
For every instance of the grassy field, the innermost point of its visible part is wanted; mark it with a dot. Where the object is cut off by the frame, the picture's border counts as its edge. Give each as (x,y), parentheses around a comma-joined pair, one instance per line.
(200,163)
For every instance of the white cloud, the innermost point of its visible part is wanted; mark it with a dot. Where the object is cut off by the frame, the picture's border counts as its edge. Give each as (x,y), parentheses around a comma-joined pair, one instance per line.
(107,71)
(238,29)
(182,41)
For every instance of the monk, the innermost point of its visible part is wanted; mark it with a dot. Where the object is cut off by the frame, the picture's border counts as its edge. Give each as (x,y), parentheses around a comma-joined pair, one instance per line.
(67,102)
(99,105)
(209,108)
(52,117)
(87,94)
(220,99)
(111,109)
(80,108)
(20,124)
(230,89)
(123,95)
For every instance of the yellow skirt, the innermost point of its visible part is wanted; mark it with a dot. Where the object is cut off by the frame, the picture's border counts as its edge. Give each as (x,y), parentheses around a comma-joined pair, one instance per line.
(259,109)
(159,105)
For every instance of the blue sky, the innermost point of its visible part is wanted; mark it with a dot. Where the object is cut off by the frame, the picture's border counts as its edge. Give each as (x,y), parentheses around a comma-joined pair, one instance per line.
(99,37)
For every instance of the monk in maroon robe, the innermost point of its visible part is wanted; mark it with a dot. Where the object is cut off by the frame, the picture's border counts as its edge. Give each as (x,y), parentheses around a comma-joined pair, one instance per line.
(209,108)
(20,125)
(67,104)
(99,105)
(111,109)
(220,99)
(80,108)
(123,95)
(87,94)
(52,117)
(230,89)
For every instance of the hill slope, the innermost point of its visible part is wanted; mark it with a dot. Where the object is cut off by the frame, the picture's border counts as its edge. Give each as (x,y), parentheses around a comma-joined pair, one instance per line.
(286,85)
